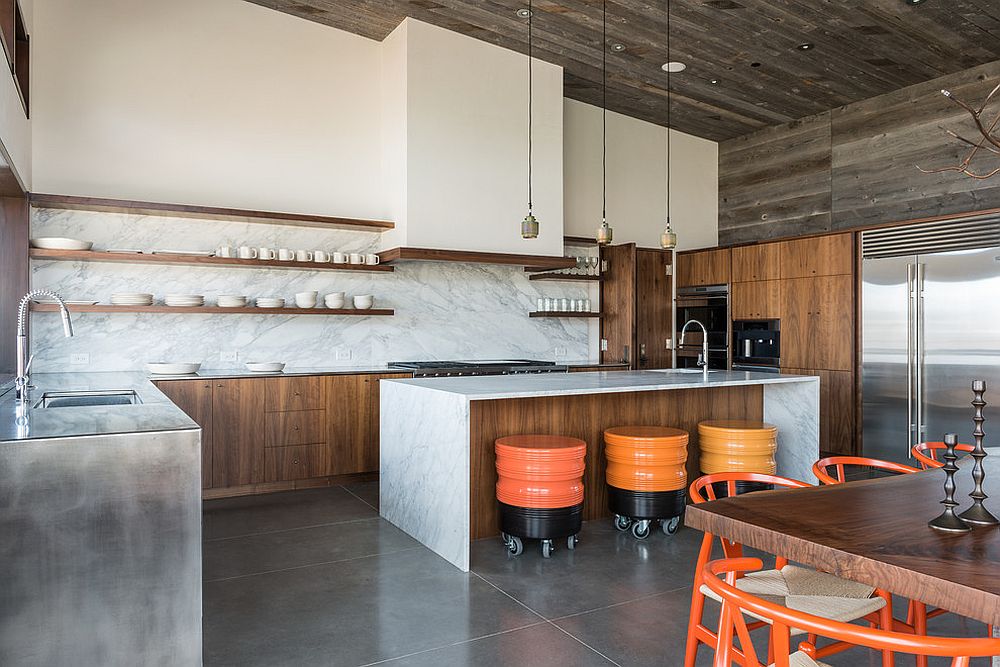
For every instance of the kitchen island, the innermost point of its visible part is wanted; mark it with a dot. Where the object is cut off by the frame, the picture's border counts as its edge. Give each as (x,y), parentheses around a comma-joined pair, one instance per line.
(437,434)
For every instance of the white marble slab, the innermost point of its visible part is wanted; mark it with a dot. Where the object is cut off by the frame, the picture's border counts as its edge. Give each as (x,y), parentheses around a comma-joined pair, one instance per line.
(425,436)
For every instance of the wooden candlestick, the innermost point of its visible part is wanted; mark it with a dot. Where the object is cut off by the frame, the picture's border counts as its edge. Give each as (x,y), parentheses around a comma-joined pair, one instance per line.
(948,521)
(978,514)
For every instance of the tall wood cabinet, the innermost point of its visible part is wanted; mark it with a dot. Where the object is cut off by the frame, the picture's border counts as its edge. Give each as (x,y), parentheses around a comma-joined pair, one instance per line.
(704,267)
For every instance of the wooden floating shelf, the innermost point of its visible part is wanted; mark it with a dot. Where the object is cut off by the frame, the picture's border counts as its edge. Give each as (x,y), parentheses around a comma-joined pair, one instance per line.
(213,310)
(579,240)
(69,202)
(563,276)
(559,313)
(196,260)
(546,262)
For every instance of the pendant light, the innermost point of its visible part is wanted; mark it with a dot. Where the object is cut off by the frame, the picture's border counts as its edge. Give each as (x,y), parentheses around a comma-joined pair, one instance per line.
(529,226)
(668,239)
(604,232)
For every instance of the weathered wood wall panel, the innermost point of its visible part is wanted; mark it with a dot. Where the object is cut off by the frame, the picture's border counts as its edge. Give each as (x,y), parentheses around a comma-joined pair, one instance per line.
(771,182)
(776,182)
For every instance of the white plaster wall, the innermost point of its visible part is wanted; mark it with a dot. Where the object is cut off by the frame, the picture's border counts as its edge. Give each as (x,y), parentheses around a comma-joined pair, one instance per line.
(636,179)
(211,102)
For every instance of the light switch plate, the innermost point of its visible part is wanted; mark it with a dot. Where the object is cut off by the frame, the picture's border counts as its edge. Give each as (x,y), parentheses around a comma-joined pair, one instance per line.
(343,354)
(559,352)
(230,356)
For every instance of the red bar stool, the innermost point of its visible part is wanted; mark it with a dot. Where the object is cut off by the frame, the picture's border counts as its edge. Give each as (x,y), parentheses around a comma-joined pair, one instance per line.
(646,477)
(738,445)
(540,490)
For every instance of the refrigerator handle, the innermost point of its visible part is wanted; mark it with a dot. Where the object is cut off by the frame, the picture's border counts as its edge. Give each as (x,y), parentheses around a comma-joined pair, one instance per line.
(918,361)
(910,349)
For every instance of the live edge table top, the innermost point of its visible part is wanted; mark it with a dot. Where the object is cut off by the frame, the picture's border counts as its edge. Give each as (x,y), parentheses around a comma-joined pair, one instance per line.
(875,531)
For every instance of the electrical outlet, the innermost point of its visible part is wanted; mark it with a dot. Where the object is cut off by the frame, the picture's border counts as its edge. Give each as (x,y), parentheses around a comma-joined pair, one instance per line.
(559,352)
(343,354)
(79,359)
(230,356)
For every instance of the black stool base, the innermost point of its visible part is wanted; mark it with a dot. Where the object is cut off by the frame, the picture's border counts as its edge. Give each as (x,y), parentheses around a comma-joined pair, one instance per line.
(646,504)
(541,523)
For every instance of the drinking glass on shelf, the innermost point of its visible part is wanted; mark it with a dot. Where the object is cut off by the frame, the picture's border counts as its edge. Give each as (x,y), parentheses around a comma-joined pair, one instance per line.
(595,265)
(586,305)
(547,305)
(564,305)
(539,303)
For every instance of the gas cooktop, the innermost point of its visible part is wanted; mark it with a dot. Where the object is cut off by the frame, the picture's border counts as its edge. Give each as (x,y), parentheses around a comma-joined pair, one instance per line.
(485,367)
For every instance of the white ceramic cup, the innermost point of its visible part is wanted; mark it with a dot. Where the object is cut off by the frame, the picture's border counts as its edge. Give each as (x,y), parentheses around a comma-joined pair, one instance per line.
(321,256)
(285,255)
(357,258)
(364,301)
(246,252)
(265,254)
(306,299)
(224,251)
(303,256)
(339,258)
(372,258)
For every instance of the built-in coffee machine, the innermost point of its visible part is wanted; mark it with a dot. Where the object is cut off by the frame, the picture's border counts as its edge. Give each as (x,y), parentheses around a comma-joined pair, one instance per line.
(756,345)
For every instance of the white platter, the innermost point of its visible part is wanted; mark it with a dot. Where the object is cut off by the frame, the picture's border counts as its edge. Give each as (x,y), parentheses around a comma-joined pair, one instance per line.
(193,253)
(68,302)
(173,368)
(265,366)
(60,243)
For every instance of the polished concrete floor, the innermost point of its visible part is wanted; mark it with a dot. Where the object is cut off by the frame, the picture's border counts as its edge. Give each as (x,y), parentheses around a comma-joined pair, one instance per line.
(317,578)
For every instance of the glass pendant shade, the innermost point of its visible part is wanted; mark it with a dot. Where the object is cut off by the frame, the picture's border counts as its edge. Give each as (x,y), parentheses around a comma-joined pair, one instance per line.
(529,227)
(668,239)
(604,234)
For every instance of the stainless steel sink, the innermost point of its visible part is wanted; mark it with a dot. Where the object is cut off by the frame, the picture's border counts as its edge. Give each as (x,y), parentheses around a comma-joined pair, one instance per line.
(73,399)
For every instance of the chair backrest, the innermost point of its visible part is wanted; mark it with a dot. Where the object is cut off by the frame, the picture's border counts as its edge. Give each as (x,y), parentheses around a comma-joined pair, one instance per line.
(926,453)
(702,490)
(732,624)
(822,467)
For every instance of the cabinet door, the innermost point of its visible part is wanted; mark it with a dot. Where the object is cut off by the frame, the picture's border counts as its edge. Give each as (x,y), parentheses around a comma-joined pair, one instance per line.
(618,303)
(837,409)
(194,397)
(348,422)
(817,323)
(704,267)
(756,262)
(654,300)
(818,256)
(238,432)
(759,300)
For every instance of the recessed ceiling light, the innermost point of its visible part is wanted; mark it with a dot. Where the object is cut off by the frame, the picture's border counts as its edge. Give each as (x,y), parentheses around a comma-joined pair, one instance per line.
(523,13)
(673,67)
(808,46)
(914,2)
(617,47)
(713,81)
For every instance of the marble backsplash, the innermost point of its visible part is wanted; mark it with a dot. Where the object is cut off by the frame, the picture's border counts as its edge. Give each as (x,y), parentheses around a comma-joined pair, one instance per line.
(443,310)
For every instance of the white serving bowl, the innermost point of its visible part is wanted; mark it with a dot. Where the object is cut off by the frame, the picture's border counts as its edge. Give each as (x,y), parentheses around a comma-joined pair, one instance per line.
(335,303)
(265,366)
(173,368)
(60,243)
(364,301)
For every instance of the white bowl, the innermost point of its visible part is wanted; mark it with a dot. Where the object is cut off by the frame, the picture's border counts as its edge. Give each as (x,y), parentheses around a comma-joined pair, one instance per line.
(335,304)
(173,368)
(364,302)
(60,243)
(307,295)
(265,366)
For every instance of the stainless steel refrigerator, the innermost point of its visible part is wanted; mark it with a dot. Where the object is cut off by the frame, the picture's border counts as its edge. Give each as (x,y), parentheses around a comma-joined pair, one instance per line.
(930,325)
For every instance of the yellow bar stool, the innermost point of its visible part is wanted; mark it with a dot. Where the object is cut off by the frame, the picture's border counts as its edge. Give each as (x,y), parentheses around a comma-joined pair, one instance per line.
(738,445)
(646,477)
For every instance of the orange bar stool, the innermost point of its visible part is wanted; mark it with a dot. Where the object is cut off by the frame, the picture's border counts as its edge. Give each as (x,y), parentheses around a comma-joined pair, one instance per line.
(738,445)
(646,477)
(540,490)
(926,453)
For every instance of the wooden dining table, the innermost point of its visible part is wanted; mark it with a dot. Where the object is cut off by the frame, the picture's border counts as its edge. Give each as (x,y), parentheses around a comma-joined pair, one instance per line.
(875,531)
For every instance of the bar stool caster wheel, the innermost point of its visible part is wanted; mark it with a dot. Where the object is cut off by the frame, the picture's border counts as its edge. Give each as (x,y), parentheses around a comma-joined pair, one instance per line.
(572,541)
(514,544)
(622,523)
(640,529)
(547,548)
(670,526)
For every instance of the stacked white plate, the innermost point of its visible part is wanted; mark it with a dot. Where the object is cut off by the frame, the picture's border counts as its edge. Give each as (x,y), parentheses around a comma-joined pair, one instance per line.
(232,301)
(270,302)
(60,243)
(132,299)
(184,300)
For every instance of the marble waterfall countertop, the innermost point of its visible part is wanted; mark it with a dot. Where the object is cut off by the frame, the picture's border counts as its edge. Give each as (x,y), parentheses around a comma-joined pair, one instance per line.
(490,387)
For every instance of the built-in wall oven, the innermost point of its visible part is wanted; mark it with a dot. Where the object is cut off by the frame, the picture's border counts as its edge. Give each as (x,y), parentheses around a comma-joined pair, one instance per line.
(756,345)
(709,304)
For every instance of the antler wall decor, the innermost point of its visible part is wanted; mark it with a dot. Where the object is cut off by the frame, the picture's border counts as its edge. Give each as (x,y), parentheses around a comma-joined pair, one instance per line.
(990,140)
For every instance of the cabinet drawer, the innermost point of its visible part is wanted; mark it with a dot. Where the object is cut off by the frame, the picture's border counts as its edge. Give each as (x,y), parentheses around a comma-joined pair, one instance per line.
(297,427)
(282,464)
(295,393)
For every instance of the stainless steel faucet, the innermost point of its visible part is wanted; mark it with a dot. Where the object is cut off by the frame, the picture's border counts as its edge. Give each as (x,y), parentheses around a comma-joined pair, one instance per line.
(23,380)
(703,358)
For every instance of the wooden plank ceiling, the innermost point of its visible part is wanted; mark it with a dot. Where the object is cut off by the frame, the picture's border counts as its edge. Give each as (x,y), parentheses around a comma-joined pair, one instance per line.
(863,48)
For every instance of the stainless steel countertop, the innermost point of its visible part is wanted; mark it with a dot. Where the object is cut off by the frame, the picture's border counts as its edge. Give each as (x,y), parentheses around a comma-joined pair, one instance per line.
(155,413)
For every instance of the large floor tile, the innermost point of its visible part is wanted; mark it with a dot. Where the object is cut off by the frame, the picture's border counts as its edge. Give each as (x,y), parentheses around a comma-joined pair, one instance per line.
(247,515)
(537,646)
(297,547)
(367,491)
(352,612)
(607,567)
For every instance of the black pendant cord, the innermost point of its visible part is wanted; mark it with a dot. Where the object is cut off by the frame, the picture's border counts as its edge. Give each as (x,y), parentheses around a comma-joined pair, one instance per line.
(604,117)
(530,12)
(668,111)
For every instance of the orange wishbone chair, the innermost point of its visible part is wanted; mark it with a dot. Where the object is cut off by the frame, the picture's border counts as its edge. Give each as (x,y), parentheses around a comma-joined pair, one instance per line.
(840,599)
(926,453)
(822,467)
(784,622)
